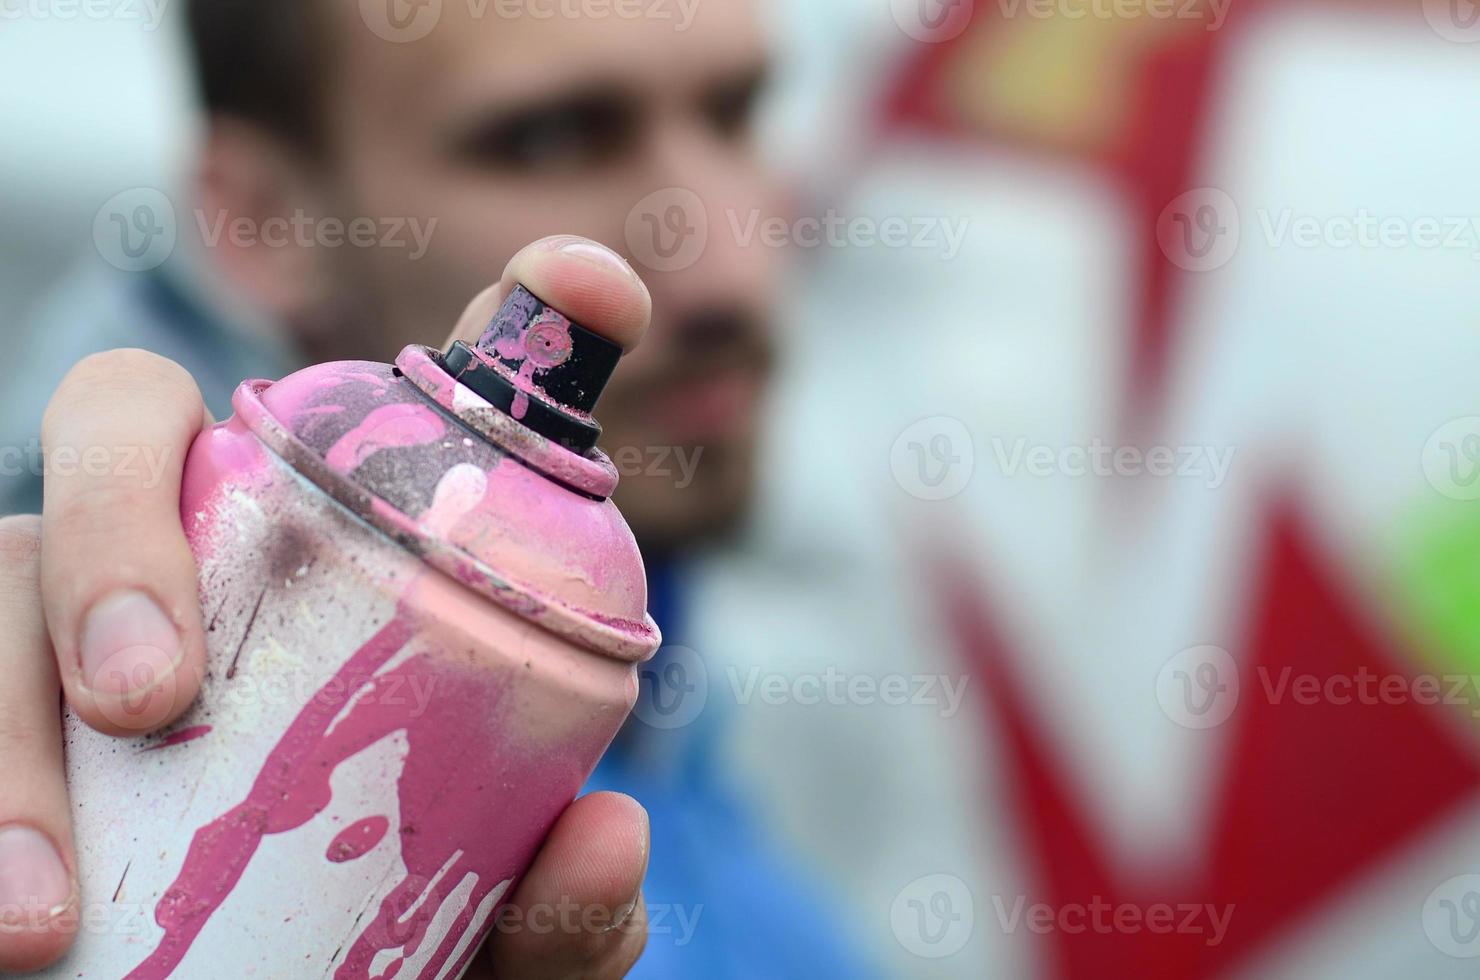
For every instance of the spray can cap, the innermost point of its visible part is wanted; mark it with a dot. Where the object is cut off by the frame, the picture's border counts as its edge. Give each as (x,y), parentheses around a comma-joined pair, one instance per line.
(537,365)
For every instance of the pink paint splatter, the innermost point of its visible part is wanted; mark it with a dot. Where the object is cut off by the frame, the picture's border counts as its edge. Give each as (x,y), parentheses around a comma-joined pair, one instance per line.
(357,840)
(456,815)
(538,346)
(389,427)
(461,490)
(181,737)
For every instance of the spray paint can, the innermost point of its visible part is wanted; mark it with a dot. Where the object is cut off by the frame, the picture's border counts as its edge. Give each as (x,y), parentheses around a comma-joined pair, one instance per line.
(425,618)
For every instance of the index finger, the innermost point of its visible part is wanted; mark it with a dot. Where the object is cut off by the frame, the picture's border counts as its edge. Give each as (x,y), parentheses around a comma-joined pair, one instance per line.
(118,577)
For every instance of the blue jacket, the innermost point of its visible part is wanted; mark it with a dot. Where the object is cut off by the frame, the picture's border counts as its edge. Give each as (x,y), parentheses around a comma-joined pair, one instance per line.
(724,902)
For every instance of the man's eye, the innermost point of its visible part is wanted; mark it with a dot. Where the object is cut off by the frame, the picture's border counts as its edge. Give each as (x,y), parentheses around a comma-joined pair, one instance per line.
(731,108)
(573,136)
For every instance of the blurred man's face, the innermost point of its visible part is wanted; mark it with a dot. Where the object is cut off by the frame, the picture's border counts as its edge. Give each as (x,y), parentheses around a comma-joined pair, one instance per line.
(507,128)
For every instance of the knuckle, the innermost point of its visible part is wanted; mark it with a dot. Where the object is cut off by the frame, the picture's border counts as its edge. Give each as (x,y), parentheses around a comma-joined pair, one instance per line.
(20,546)
(138,375)
(20,575)
(96,510)
(26,734)
(128,364)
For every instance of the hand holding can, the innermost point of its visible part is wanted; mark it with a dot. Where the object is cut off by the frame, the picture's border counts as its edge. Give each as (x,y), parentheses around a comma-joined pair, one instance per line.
(410,718)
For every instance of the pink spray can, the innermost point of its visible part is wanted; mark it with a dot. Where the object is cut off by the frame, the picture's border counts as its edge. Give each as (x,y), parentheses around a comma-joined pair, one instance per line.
(425,618)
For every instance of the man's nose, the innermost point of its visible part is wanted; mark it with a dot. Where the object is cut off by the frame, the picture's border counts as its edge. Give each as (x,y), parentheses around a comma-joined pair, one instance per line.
(698,234)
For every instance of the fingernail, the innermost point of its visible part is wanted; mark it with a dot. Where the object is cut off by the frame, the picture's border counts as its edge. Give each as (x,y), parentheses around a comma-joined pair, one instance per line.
(645,843)
(34,884)
(623,914)
(597,255)
(128,645)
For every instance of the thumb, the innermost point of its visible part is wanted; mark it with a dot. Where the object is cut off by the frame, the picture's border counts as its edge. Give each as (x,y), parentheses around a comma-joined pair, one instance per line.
(588,282)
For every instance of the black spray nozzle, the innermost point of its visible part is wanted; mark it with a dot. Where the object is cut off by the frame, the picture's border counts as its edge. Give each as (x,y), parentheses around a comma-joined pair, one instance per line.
(553,370)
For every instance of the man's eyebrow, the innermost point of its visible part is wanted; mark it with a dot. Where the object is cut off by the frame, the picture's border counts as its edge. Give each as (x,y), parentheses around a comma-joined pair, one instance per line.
(581,95)
(748,79)
(757,71)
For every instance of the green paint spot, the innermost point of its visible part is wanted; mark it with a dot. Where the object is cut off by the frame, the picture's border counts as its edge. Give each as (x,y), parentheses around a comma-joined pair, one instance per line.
(1439,590)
